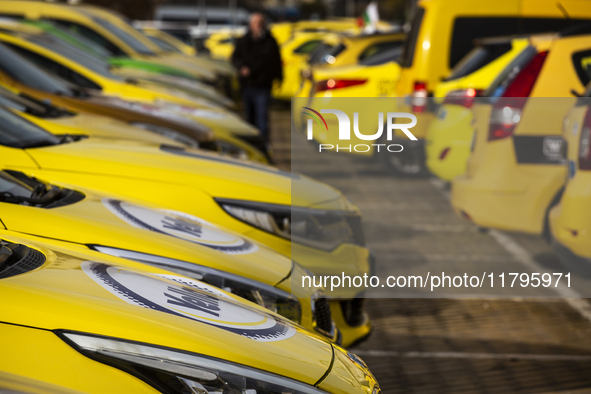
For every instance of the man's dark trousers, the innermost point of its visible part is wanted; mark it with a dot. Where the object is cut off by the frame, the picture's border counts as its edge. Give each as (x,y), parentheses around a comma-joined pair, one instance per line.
(256,101)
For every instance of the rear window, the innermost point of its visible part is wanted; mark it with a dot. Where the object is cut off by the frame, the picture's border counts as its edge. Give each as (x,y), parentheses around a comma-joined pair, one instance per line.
(478,58)
(333,53)
(378,48)
(319,53)
(408,48)
(390,55)
(500,84)
(582,64)
(307,47)
(467,29)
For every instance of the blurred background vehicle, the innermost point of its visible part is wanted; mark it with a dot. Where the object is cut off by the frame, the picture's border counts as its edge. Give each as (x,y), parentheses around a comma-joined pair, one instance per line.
(569,218)
(516,173)
(450,134)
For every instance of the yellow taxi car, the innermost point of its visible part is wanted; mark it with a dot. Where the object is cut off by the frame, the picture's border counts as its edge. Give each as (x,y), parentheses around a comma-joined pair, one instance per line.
(569,219)
(119,25)
(448,138)
(89,73)
(294,52)
(118,40)
(515,173)
(341,87)
(119,326)
(168,41)
(167,239)
(308,221)
(221,43)
(354,49)
(442,32)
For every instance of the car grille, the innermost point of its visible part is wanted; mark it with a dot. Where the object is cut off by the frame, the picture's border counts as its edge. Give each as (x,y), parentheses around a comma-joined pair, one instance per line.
(322,315)
(353,311)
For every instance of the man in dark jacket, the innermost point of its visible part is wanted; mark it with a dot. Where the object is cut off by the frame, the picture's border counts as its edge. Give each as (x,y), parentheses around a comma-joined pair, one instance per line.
(257,59)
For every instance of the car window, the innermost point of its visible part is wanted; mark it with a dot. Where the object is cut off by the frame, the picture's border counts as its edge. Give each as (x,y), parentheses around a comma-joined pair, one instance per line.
(72,53)
(10,185)
(408,47)
(307,47)
(500,84)
(467,29)
(329,56)
(319,53)
(478,58)
(377,48)
(124,36)
(55,68)
(27,73)
(582,63)
(391,55)
(84,31)
(163,45)
(18,132)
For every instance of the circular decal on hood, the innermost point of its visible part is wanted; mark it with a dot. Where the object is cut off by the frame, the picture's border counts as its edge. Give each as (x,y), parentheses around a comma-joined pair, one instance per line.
(180,225)
(190,299)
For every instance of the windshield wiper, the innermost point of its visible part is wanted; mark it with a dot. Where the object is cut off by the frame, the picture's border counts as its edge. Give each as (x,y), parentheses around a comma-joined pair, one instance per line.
(39,197)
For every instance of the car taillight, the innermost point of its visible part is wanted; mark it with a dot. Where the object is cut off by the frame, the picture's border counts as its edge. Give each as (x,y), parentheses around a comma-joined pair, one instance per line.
(419,96)
(329,84)
(506,113)
(523,83)
(585,144)
(464,97)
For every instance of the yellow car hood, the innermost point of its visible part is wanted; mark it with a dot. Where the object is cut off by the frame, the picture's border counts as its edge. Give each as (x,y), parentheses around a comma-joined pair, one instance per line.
(102,222)
(210,174)
(132,303)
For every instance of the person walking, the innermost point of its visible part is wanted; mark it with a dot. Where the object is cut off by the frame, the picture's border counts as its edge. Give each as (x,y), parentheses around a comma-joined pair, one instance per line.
(258,61)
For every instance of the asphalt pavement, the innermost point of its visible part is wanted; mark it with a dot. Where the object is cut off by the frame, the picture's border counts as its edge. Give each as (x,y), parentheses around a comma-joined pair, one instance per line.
(463,341)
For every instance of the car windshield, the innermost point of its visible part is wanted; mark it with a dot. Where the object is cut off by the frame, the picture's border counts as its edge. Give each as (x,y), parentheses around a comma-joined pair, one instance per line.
(27,73)
(71,52)
(163,45)
(10,185)
(127,38)
(29,105)
(80,41)
(478,58)
(17,132)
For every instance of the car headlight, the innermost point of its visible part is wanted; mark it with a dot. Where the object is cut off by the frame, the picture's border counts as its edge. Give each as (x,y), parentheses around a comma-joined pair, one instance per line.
(172,371)
(168,133)
(322,229)
(265,295)
(230,149)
